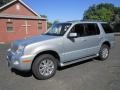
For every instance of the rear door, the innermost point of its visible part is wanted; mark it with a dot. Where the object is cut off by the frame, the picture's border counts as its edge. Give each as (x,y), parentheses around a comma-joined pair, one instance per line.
(92,38)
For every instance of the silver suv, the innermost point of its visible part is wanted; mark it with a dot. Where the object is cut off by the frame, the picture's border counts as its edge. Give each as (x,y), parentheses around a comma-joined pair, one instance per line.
(64,44)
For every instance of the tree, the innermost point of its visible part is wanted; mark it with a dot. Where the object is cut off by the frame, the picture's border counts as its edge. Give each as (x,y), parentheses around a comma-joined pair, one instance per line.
(3,2)
(117,15)
(116,21)
(44,16)
(56,21)
(104,12)
(49,24)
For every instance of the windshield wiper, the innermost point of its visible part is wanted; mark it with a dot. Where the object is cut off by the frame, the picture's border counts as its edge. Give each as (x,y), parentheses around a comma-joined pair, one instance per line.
(53,34)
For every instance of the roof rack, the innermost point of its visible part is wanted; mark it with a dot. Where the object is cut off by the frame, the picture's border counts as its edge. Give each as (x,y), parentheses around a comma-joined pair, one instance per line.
(88,20)
(93,20)
(74,21)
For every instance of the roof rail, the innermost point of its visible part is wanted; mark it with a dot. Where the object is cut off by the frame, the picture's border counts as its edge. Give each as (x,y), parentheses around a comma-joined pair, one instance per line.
(88,20)
(74,21)
(93,20)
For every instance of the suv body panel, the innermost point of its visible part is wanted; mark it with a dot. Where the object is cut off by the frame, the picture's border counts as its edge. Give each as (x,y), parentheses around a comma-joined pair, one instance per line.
(68,49)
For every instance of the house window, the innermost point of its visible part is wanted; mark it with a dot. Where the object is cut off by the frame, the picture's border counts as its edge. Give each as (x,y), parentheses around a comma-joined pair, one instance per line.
(10,26)
(39,26)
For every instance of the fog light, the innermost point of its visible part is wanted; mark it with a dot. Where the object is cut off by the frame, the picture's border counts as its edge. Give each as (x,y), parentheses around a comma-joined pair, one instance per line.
(16,63)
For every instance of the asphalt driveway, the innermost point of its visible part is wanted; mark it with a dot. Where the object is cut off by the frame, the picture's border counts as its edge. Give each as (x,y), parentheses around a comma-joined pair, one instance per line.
(87,75)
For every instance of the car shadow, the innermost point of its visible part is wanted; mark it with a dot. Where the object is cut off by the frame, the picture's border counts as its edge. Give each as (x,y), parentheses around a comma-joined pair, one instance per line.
(29,74)
(22,73)
(74,65)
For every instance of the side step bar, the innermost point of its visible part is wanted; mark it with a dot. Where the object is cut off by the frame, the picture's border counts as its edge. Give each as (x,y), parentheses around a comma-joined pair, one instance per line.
(78,60)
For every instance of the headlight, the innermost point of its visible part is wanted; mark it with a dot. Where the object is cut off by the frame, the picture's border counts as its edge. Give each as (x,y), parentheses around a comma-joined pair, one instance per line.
(20,50)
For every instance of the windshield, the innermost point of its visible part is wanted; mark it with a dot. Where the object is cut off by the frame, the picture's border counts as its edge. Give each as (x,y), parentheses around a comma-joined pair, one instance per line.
(58,29)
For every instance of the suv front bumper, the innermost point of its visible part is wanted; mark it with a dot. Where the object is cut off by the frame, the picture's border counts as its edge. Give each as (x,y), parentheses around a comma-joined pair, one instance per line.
(22,63)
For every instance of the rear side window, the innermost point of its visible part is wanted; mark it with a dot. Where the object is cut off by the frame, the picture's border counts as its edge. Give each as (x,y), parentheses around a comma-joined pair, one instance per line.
(92,29)
(107,28)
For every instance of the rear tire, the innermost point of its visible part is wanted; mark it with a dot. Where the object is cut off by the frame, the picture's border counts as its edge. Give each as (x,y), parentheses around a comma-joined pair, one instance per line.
(104,52)
(44,67)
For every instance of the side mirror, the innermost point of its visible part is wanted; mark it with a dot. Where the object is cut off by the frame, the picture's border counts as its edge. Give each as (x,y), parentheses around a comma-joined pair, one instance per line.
(72,35)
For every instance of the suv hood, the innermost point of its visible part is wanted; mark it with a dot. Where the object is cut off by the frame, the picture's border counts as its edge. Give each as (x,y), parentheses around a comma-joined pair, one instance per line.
(34,39)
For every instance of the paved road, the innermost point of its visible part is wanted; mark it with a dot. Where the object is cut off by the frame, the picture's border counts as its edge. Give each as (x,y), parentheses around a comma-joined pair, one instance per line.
(88,75)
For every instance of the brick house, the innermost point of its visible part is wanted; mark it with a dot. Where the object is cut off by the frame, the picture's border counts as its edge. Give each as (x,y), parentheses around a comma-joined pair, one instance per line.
(17,21)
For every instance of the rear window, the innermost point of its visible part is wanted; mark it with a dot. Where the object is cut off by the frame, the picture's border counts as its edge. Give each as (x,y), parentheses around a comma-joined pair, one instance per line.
(107,28)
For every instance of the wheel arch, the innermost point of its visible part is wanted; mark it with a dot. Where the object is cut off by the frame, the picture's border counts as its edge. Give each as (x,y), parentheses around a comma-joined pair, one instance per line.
(107,43)
(51,52)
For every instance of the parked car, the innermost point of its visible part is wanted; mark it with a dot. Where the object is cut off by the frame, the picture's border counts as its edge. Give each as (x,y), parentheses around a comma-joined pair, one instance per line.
(64,44)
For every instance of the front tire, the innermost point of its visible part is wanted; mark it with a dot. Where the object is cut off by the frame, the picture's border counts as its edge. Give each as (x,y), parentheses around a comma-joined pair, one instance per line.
(104,52)
(44,67)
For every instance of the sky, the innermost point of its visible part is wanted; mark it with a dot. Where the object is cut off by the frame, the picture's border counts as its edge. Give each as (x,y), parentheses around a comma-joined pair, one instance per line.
(64,10)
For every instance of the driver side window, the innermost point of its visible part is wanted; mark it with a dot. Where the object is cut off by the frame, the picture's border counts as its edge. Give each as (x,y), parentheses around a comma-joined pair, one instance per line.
(79,29)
